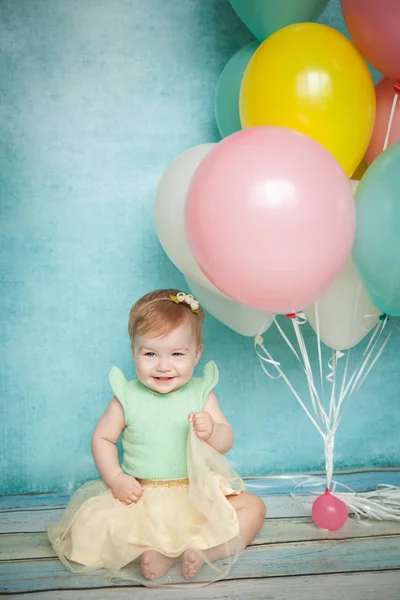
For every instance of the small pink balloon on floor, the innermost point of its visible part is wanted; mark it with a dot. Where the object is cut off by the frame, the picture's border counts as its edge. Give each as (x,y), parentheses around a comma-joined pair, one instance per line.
(270,218)
(387,120)
(329,512)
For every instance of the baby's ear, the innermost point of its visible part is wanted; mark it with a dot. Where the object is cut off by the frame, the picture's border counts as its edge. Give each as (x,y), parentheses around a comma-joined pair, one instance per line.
(199,353)
(133,353)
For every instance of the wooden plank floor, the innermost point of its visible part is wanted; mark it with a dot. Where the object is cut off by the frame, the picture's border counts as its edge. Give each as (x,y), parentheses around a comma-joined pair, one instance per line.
(290,558)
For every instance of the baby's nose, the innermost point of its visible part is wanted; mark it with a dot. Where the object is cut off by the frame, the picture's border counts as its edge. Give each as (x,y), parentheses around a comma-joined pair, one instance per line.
(163,365)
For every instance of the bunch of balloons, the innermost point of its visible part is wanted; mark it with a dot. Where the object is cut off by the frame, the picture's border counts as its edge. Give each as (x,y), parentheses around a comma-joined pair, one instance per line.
(264,221)
(297,208)
(374,27)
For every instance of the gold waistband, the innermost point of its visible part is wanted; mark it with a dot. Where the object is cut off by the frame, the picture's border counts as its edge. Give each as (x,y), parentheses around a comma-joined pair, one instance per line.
(164,482)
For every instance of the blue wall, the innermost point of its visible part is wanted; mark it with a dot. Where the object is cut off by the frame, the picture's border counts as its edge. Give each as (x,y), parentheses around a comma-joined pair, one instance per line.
(97,96)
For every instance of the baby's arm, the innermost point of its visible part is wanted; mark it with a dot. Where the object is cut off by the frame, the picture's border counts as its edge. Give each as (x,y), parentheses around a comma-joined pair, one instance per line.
(211,425)
(105,453)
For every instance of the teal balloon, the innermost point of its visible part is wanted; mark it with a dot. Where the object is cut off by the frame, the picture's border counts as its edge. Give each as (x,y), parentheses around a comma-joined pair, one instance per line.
(227,94)
(376,249)
(263,17)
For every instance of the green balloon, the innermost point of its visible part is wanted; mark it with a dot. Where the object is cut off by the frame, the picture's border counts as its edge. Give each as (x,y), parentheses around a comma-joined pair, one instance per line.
(376,249)
(227,94)
(264,17)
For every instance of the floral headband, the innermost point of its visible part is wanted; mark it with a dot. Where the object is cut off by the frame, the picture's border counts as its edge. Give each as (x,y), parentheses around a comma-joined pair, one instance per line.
(180,298)
(188,299)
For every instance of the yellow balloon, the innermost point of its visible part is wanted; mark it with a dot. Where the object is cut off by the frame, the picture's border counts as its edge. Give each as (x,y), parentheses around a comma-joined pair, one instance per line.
(310,78)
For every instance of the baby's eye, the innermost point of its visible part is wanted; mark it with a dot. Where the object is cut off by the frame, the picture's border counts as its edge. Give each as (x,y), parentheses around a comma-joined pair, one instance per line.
(151,354)
(177,354)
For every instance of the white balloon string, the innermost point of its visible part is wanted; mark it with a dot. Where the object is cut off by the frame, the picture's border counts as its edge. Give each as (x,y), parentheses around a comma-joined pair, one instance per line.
(330,375)
(301,318)
(318,407)
(268,373)
(308,374)
(288,342)
(258,342)
(262,360)
(344,377)
(286,339)
(325,422)
(350,387)
(377,330)
(389,129)
(360,366)
(381,504)
(329,443)
(369,317)
(321,370)
(383,346)
(365,363)
(335,403)
(332,363)
(330,439)
(344,394)
(290,386)
(332,402)
(378,504)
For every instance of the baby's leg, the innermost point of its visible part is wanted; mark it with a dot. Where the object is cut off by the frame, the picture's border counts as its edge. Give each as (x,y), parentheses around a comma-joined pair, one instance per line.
(155,565)
(251,511)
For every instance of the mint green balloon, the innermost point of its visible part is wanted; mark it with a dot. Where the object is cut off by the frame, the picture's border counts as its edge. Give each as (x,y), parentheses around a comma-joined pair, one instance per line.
(226,102)
(264,17)
(376,249)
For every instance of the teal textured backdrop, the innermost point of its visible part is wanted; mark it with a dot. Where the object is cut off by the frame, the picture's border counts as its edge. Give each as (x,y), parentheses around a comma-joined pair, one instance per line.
(97,96)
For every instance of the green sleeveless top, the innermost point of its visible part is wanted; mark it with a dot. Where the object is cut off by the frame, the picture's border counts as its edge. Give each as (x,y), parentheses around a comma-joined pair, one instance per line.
(155,437)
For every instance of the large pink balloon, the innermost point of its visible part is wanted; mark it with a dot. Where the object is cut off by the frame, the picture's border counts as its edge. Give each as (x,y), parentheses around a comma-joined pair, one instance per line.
(374,27)
(270,218)
(386,95)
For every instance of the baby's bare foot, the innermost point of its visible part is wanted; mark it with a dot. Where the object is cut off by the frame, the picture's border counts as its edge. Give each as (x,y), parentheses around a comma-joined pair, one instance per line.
(191,564)
(155,565)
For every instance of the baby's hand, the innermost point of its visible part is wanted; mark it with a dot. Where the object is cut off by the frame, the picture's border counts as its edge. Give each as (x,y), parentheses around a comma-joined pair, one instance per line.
(126,488)
(203,424)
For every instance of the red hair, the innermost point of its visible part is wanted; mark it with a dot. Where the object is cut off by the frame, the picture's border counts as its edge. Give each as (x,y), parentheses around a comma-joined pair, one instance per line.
(156,315)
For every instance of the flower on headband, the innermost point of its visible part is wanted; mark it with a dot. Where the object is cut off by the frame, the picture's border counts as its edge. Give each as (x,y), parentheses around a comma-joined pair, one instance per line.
(188,299)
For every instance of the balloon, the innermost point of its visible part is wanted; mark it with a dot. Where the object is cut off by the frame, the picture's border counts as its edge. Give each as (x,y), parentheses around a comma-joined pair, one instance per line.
(242,319)
(374,27)
(376,249)
(270,218)
(354,184)
(385,97)
(345,312)
(263,17)
(169,211)
(329,512)
(359,172)
(309,77)
(228,88)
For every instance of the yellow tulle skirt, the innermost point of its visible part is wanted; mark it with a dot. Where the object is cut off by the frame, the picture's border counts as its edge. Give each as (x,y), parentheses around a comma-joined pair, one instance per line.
(97,531)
